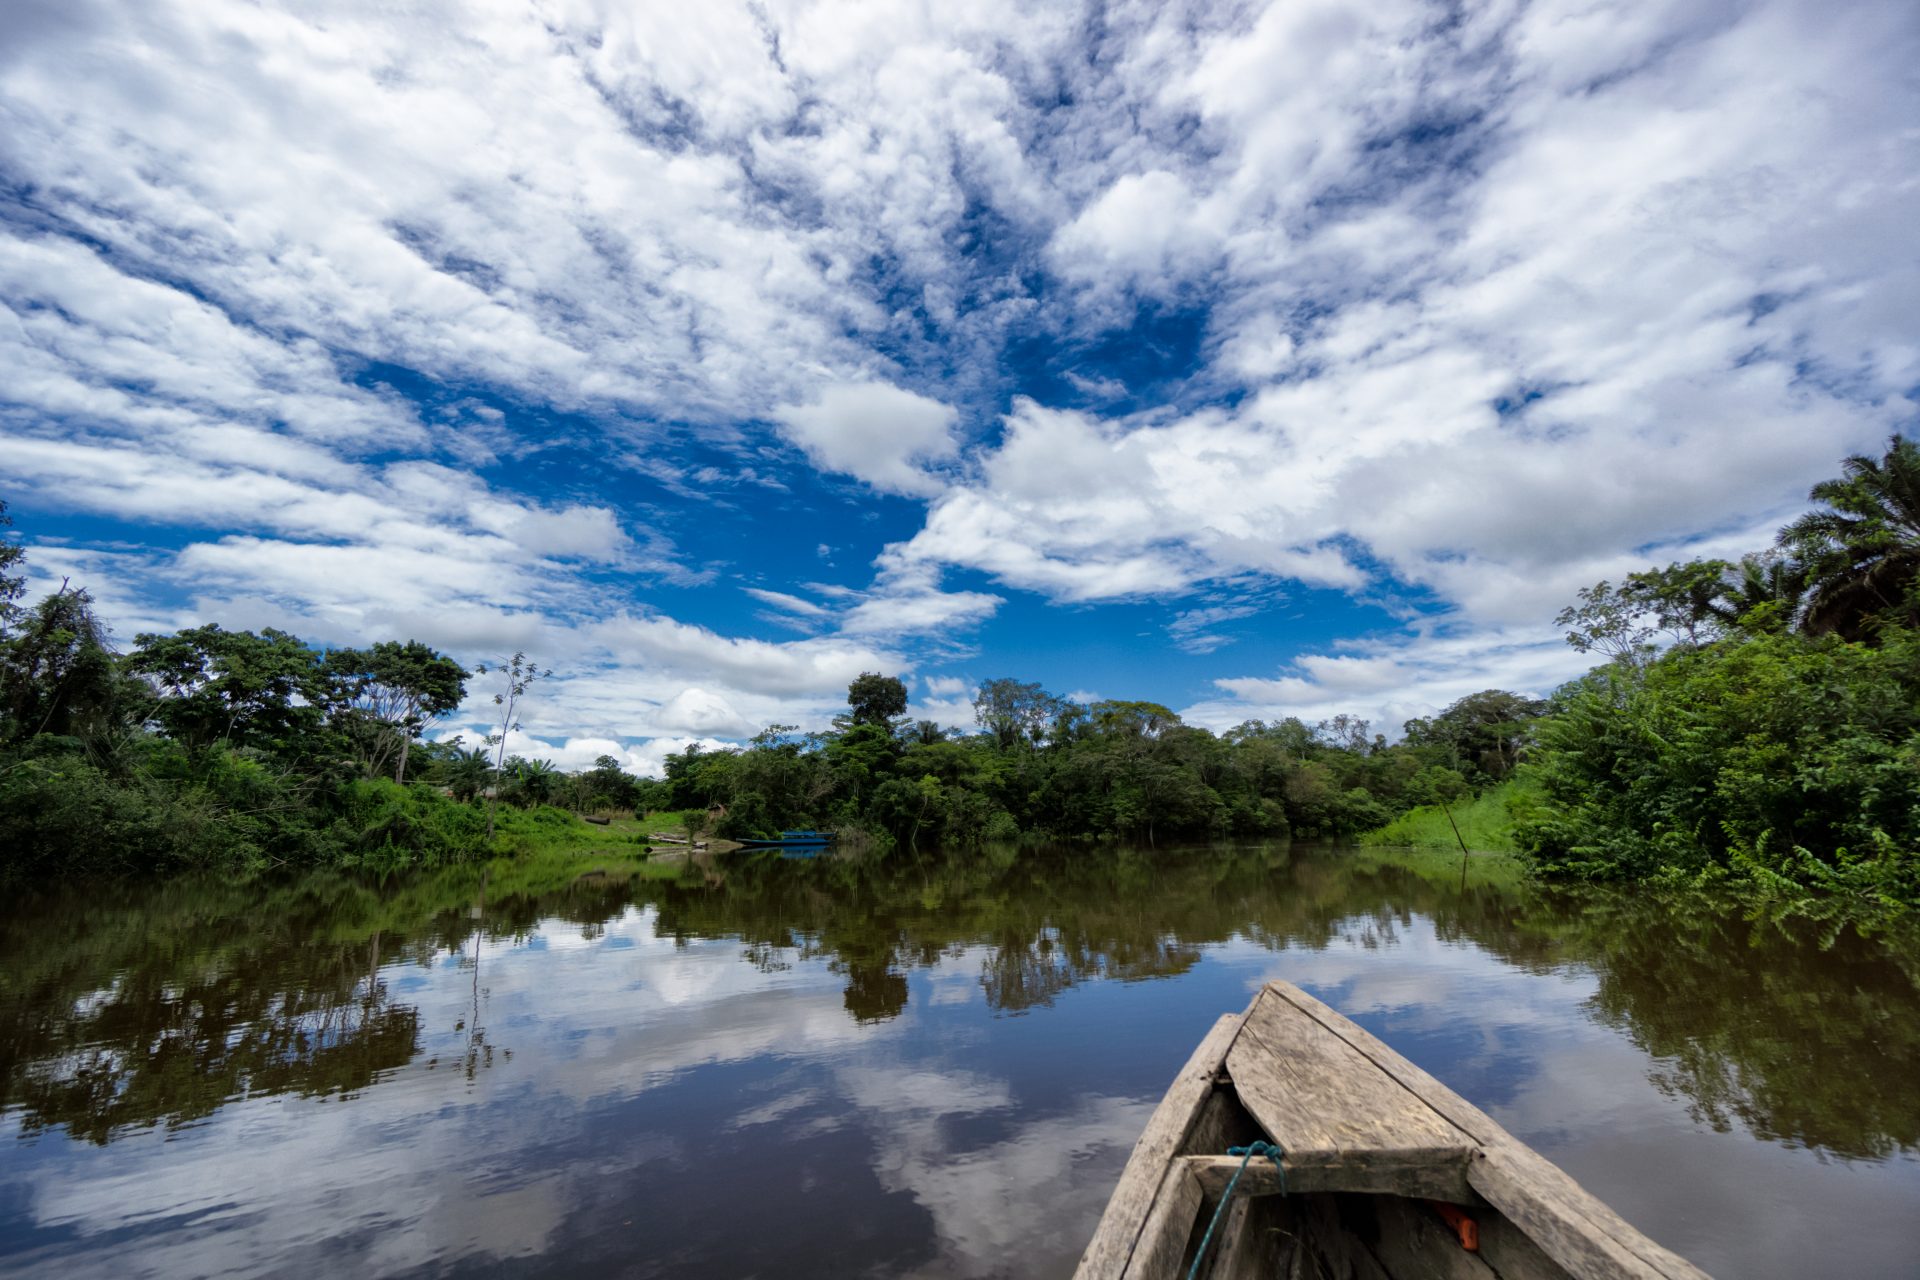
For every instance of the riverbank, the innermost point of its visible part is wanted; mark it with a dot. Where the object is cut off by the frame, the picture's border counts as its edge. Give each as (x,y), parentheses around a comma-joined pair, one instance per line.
(1486,822)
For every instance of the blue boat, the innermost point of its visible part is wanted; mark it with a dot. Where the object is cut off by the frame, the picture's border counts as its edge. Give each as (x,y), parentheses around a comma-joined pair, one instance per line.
(793,840)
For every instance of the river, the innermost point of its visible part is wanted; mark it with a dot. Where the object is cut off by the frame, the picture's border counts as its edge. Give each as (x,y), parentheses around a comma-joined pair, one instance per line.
(921,1065)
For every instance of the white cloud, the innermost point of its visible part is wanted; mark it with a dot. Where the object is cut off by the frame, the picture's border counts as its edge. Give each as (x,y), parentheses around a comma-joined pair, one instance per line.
(1494,307)
(787,603)
(1392,681)
(882,434)
(703,712)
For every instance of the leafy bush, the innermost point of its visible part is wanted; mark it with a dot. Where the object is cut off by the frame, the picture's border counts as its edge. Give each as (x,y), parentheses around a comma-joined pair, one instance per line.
(1779,760)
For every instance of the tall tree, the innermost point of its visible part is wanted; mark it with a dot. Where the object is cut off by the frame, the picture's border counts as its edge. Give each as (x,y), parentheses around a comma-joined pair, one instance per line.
(57,674)
(13,581)
(468,772)
(400,688)
(1115,717)
(1862,548)
(1761,594)
(518,676)
(210,684)
(1484,730)
(1015,713)
(876,699)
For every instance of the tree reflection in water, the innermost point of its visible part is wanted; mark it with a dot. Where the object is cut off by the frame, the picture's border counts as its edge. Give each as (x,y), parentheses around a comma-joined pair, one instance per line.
(134,1008)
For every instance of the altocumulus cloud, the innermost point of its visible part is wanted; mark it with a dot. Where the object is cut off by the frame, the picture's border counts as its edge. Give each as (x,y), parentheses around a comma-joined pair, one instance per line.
(310,312)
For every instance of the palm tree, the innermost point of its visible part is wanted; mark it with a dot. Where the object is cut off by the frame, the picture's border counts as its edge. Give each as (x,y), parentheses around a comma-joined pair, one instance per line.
(1862,553)
(1762,593)
(538,780)
(469,772)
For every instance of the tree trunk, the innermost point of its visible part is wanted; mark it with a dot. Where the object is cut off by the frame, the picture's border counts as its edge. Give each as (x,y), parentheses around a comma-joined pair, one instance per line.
(400,771)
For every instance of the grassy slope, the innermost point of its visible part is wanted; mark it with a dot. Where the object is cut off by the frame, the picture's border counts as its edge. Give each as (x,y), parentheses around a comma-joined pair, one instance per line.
(1486,822)
(549,830)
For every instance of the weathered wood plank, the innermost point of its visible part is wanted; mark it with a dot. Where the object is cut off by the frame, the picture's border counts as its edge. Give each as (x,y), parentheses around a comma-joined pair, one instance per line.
(1221,1123)
(1318,1096)
(1120,1226)
(1170,1223)
(1339,1251)
(1255,1240)
(1230,1244)
(1415,1245)
(1425,1175)
(1512,1252)
(1573,1227)
(1518,1183)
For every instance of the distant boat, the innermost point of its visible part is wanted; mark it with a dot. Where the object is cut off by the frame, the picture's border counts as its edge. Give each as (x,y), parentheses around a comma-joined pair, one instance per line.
(792,840)
(1295,1144)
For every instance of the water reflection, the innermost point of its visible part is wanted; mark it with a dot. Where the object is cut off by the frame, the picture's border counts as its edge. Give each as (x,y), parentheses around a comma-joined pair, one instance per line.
(911,1065)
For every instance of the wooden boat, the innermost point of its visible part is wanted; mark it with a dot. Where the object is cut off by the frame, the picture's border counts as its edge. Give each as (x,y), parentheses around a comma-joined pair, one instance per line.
(1384,1172)
(791,840)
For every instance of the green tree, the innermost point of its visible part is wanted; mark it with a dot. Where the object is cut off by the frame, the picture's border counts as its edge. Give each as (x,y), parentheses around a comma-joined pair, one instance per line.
(57,675)
(608,785)
(1862,548)
(1777,759)
(1130,719)
(536,782)
(1485,730)
(400,688)
(876,699)
(1763,593)
(13,582)
(210,685)
(1015,713)
(468,772)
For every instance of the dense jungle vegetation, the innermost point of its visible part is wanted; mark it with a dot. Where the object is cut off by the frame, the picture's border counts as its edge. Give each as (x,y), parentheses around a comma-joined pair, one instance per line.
(1757,722)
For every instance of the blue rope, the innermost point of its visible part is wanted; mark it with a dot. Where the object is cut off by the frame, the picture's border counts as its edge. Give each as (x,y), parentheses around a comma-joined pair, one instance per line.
(1271,1150)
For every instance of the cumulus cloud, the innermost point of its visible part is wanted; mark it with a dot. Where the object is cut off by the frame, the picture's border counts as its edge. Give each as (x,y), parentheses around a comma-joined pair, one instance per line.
(879,433)
(1478,307)
(1392,681)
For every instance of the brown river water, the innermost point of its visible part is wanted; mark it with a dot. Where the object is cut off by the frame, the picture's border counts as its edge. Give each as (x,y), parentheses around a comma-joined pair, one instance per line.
(922,1065)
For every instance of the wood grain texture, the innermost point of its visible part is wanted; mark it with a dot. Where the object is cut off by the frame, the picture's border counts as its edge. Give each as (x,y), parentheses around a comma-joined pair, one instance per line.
(1426,1175)
(1512,1253)
(1259,1248)
(1415,1245)
(1167,1130)
(1232,1243)
(1162,1248)
(1322,1099)
(1574,1229)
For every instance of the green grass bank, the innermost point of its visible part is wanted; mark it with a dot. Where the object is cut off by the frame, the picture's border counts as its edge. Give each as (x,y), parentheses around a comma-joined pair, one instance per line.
(1486,822)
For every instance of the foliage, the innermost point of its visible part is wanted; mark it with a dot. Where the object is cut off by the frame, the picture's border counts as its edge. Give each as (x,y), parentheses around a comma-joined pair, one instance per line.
(1861,547)
(1486,731)
(1781,760)
(211,685)
(391,692)
(57,675)
(1775,742)
(1044,767)
(876,699)
(13,583)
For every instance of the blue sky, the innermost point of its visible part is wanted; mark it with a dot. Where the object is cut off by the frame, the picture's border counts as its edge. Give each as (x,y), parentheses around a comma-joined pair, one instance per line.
(1258,360)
